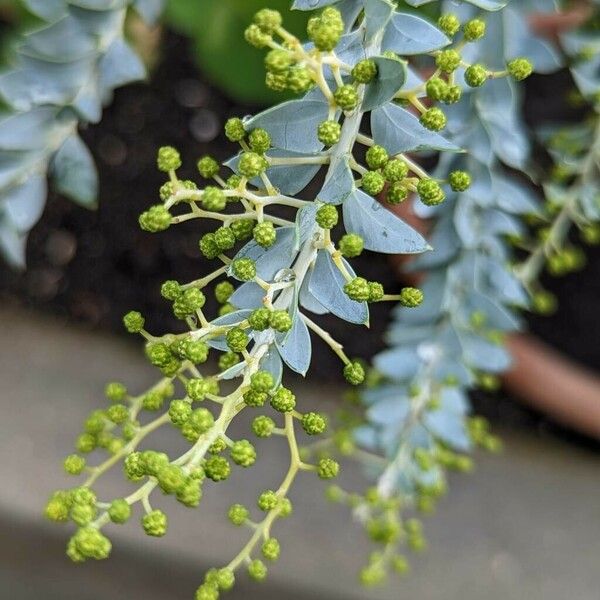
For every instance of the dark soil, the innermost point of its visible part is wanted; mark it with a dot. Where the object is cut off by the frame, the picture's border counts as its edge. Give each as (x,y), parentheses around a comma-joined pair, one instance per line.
(92,266)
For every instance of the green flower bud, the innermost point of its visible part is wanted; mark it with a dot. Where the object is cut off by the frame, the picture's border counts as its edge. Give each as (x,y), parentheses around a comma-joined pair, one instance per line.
(520,68)
(91,543)
(433,119)
(263,426)
(153,401)
(474,30)
(280,320)
(476,75)
(448,60)
(242,229)
(264,234)
(95,423)
(453,94)
(364,71)
(354,373)
(430,192)
(171,290)
(395,170)
(313,423)
(134,321)
(260,140)
(57,508)
(544,303)
(244,268)
(283,400)
(326,29)
(166,191)
(328,468)
(156,218)
(256,37)
(179,412)
(119,511)
(299,80)
(372,575)
(171,478)
(234,130)
(74,464)
(237,339)
(217,468)
(168,159)
(268,20)
(327,216)
(196,351)
(117,413)
(257,570)
(252,164)
(201,420)
(346,97)
(449,24)
(208,167)
(396,193)
(217,446)
(262,381)
(213,198)
(351,245)
(270,549)
(436,88)
(277,82)
(268,500)
(223,291)
(243,453)
(459,181)
(373,182)
(259,319)
(329,132)
(278,61)
(207,592)
(224,238)
(115,391)
(238,514)
(254,398)
(155,523)
(376,157)
(134,466)
(227,360)
(153,462)
(208,246)
(357,289)
(411,297)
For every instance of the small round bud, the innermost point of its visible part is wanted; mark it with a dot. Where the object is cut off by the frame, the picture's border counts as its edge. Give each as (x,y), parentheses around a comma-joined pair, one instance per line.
(119,511)
(156,218)
(252,164)
(237,339)
(346,97)
(351,245)
(170,289)
(313,423)
(213,198)
(262,381)
(430,192)
(179,412)
(357,289)
(259,319)
(201,420)
(326,29)
(453,94)
(376,157)
(256,37)
(277,82)
(436,88)
(299,80)
(91,543)
(278,61)
(263,426)
(283,400)
(217,468)
(207,591)
(257,570)
(244,269)
(327,216)
(476,75)
(155,523)
(243,453)
(268,500)
(280,320)
(264,234)
(411,297)
(227,360)
(364,71)
(208,167)
(74,464)
(115,391)
(373,182)
(449,24)
(354,373)
(208,246)
(474,30)
(223,291)
(234,130)
(396,193)
(395,170)
(242,229)
(254,398)
(268,20)
(459,181)
(134,321)
(328,468)
(260,140)
(238,514)
(329,132)
(224,238)
(520,68)
(270,549)
(168,159)
(433,119)
(448,60)
(117,413)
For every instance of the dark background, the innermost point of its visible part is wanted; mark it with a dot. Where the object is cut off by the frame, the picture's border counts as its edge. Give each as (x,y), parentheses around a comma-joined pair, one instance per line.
(91,267)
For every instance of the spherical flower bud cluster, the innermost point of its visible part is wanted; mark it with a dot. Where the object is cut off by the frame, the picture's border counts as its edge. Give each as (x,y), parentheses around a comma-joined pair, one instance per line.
(217,468)
(329,132)
(268,20)
(328,468)
(264,234)
(346,97)
(234,130)
(411,297)
(260,140)
(156,218)
(134,321)
(520,68)
(361,290)
(430,192)
(238,514)
(208,167)
(313,423)
(376,157)
(114,390)
(448,60)
(476,75)
(263,426)
(252,164)
(396,193)
(364,71)
(351,245)
(474,30)
(327,216)
(168,159)
(243,453)
(237,339)
(395,170)
(373,182)
(433,119)
(459,181)
(244,268)
(270,549)
(326,29)
(354,373)
(155,523)
(283,400)
(449,24)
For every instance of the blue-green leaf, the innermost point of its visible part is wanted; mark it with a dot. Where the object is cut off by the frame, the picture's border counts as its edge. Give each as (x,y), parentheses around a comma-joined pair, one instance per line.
(381,230)
(326,284)
(296,348)
(74,172)
(391,74)
(408,34)
(339,182)
(312,4)
(120,65)
(49,10)
(150,10)
(377,14)
(23,205)
(397,130)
